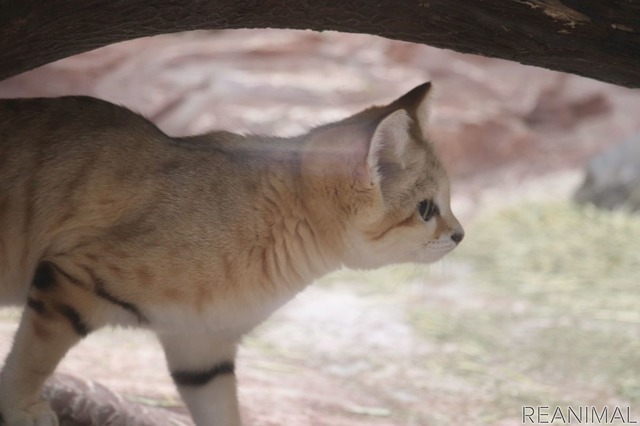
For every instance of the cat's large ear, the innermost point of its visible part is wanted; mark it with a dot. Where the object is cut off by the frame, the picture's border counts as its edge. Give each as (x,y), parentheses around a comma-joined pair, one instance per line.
(393,135)
(389,144)
(417,102)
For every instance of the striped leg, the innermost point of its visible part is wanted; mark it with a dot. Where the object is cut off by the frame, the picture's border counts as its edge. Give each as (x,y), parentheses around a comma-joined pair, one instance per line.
(50,325)
(203,369)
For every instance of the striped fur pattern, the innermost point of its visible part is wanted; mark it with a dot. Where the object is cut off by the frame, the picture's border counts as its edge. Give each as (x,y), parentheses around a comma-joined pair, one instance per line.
(106,220)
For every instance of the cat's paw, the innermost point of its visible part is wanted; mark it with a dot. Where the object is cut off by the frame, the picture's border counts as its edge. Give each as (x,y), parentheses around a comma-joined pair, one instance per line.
(38,414)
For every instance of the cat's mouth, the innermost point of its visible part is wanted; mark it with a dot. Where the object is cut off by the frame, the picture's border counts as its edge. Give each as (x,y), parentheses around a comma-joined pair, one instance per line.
(436,250)
(441,246)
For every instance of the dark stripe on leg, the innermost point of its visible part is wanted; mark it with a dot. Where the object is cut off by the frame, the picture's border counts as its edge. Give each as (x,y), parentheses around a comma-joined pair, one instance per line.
(73,280)
(101,291)
(44,278)
(37,305)
(74,318)
(201,378)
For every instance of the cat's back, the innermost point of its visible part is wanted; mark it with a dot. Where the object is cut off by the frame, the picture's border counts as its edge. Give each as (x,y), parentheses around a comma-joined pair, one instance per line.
(25,122)
(48,144)
(103,163)
(59,131)
(83,110)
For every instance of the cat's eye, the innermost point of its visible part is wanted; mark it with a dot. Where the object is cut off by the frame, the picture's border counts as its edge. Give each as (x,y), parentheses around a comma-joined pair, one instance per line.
(428,209)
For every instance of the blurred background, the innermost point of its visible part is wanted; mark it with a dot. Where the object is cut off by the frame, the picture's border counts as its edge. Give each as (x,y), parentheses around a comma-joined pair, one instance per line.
(539,305)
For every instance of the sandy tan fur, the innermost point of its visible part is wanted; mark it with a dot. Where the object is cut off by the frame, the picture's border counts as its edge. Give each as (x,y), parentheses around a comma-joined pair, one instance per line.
(104,219)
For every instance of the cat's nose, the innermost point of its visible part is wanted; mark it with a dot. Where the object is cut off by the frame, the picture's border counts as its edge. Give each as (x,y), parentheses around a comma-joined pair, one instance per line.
(457,237)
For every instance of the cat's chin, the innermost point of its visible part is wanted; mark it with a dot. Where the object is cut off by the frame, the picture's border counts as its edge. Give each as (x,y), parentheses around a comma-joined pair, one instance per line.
(421,257)
(431,257)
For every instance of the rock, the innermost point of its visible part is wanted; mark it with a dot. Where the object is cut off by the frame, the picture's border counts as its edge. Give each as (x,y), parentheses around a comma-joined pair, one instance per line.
(612,178)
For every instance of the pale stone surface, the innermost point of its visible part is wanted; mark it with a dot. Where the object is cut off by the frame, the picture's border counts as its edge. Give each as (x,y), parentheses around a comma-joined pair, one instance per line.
(612,178)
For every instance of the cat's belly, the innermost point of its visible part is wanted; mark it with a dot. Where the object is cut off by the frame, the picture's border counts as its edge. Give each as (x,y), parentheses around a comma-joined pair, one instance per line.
(222,319)
(183,294)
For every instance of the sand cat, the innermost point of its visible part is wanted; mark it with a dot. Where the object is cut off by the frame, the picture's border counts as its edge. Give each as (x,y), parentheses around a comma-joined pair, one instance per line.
(106,220)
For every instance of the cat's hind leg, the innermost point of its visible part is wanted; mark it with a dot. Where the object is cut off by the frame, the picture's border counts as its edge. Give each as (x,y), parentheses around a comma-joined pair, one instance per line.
(54,319)
(202,368)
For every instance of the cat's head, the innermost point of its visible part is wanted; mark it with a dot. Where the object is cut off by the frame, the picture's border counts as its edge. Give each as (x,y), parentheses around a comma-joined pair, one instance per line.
(379,190)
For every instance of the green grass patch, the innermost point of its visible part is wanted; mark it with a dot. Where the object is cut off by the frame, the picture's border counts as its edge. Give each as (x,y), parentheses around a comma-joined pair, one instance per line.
(564,257)
(565,328)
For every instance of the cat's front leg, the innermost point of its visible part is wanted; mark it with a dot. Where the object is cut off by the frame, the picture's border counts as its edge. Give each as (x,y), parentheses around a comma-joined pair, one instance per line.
(42,339)
(202,368)
(55,318)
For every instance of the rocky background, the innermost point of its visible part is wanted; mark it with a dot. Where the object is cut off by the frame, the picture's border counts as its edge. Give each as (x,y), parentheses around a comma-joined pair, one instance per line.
(498,126)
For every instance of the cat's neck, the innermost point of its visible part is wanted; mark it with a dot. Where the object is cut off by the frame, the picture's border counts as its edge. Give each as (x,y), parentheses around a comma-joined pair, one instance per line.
(298,246)
(284,234)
